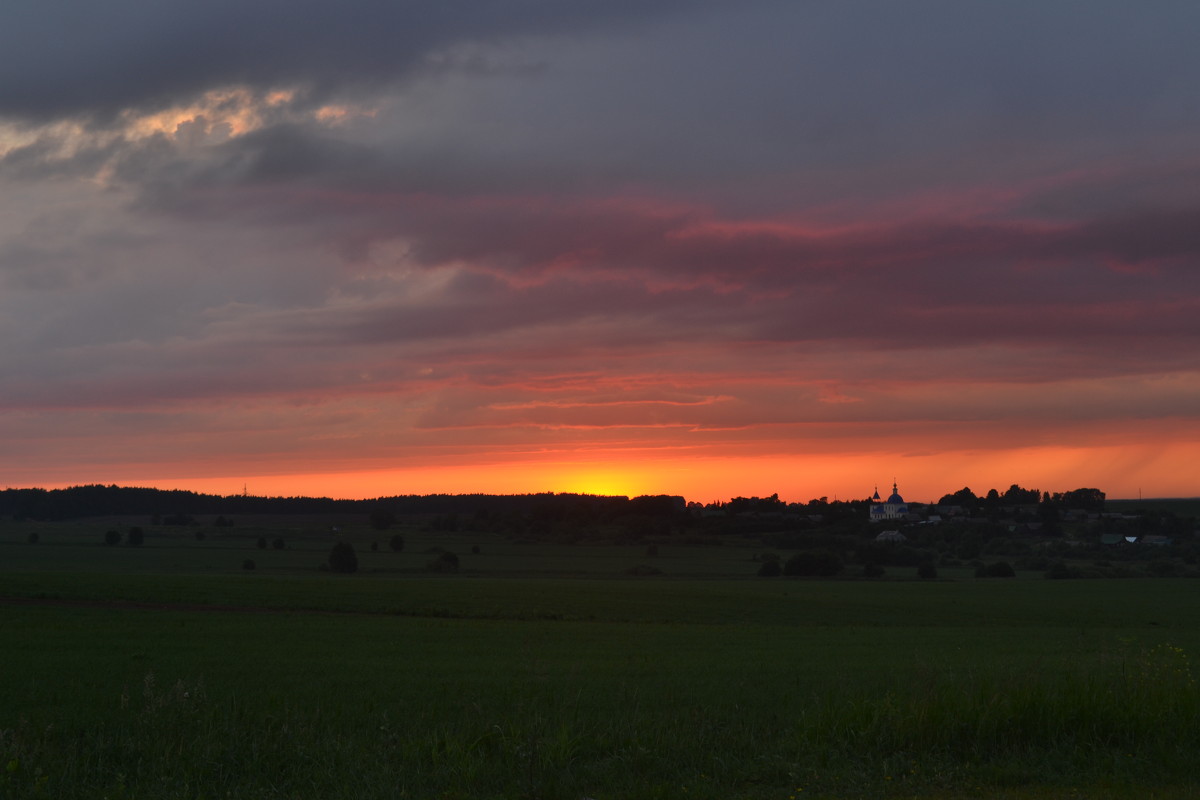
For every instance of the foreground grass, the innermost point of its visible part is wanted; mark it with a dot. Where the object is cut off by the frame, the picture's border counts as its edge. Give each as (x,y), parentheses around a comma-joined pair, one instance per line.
(478,688)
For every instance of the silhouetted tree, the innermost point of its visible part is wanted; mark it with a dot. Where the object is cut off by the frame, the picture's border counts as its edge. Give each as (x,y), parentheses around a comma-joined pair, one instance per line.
(136,536)
(396,543)
(1016,496)
(112,538)
(342,558)
(1087,499)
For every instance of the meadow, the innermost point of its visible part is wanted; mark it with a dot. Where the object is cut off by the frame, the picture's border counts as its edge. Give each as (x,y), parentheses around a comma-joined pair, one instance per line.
(548,671)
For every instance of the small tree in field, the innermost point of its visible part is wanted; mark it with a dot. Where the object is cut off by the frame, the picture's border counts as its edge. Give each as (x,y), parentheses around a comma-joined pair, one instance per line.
(927,572)
(396,543)
(342,558)
(446,562)
(112,538)
(136,536)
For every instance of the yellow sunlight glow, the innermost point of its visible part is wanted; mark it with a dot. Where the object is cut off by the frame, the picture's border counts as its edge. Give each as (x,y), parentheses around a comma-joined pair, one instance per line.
(1120,471)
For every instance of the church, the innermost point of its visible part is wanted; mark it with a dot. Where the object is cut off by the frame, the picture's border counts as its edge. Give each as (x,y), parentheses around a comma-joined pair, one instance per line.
(892,508)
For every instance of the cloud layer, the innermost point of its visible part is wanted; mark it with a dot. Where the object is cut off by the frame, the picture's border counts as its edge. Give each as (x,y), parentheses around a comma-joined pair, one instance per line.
(299,239)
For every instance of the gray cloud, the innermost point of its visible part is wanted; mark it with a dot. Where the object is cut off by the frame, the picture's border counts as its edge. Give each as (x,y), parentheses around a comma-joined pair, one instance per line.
(82,58)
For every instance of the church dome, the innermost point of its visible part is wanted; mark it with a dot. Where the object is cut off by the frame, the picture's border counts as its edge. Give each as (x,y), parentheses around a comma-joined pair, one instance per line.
(895,498)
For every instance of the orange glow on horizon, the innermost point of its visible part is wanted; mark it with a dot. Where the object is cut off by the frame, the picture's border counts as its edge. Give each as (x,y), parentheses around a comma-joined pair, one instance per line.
(1120,471)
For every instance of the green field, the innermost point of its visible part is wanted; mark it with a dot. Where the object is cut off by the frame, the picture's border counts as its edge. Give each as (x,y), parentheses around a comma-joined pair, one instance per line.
(546,671)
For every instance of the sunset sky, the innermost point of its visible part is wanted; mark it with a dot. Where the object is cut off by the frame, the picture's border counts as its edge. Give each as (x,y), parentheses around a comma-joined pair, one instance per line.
(614,246)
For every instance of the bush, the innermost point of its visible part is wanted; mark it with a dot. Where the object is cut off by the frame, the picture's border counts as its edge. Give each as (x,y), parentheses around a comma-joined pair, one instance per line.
(112,538)
(342,558)
(199,536)
(396,543)
(445,562)
(872,571)
(1059,571)
(33,537)
(770,569)
(927,572)
(277,543)
(262,543)
(248,564)
(999,569)
(136,537)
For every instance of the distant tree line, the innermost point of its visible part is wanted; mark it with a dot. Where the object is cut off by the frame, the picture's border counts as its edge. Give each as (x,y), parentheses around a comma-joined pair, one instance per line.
(181,507)
(1084,499)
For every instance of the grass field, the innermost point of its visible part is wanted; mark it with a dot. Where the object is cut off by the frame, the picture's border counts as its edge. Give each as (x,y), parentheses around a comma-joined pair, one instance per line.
(541,671)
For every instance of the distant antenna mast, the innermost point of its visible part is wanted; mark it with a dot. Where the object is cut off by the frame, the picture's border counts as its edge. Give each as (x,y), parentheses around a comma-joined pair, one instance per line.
(245,490)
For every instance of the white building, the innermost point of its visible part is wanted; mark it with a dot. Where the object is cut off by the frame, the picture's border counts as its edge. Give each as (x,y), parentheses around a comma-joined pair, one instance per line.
(892,508)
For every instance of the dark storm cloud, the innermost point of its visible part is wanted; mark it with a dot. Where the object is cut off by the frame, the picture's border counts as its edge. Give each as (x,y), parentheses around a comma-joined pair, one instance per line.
(65,57)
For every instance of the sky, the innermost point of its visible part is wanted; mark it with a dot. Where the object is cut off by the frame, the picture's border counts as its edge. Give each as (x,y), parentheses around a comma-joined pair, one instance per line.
(702,248)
